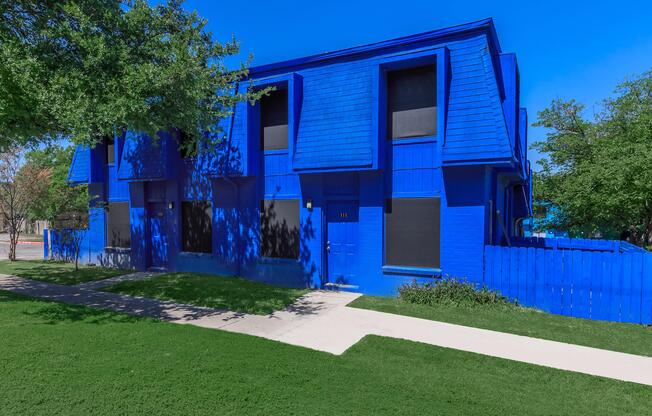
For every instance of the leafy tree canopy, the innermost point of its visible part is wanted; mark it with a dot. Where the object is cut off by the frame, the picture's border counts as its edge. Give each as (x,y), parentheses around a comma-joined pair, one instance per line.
(60,201)
(86,68)
(598,172)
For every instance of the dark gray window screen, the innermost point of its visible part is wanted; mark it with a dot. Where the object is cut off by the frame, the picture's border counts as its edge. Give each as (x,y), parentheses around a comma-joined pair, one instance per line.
(279,228)
(118,229)
(197,226)
(274,120)
(110,151)
(412,232)
(412,103)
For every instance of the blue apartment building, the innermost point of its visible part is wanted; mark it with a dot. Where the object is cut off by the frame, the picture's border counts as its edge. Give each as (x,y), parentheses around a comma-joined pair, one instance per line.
(365,168)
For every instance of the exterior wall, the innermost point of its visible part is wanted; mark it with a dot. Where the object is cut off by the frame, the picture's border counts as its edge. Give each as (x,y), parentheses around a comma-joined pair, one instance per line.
(337,152)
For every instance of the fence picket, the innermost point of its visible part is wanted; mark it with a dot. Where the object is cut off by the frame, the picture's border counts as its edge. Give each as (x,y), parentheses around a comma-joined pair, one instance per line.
(540,278)
(506,270)
(559,265)
(625,304)
(646,290)
(522,276)
(635,292)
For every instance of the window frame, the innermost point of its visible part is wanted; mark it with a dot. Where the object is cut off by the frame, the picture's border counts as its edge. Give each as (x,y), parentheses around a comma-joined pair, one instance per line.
(279,90)
(412,268)
(440,56)
(210,207)
(293,82)
(182,136)
(297,249)
(108,243)
(109,150)
(388,104)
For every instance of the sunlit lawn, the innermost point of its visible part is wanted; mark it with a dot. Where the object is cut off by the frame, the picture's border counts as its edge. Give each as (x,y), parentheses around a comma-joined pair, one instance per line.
(68,360)
(57,272)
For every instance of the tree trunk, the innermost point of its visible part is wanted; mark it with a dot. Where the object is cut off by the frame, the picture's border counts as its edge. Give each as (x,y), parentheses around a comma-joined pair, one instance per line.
(13,242)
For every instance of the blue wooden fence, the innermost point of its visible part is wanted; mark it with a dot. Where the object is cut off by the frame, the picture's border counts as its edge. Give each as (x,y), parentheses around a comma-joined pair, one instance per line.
(605,285)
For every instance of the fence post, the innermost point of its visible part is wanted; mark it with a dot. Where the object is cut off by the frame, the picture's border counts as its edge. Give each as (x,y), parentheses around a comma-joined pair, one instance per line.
(46,244)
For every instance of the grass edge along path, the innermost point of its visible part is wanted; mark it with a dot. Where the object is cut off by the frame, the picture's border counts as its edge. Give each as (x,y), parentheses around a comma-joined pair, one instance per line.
(614,336)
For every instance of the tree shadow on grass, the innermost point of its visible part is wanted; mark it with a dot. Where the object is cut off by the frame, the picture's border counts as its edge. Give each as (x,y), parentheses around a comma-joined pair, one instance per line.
(50,312)
(58,313)
(59,272)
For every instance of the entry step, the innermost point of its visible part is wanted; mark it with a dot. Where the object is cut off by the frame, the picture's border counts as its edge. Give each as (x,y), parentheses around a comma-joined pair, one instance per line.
(340,286)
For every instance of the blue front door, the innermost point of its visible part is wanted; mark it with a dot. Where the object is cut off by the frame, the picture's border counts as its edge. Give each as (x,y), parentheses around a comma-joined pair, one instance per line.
(158,235)
(342,241)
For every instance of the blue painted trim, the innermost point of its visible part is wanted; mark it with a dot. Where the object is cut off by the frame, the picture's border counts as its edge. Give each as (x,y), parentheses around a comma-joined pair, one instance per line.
(412,271)
(485,25)
(413,140)
(276,152)
(502,162)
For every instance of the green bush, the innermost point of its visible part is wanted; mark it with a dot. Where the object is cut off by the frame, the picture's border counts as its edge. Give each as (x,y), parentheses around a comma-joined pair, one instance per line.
(450,291)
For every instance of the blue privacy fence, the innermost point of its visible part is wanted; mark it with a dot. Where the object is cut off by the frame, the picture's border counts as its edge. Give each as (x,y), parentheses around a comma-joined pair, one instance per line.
(61,247)
(611,285)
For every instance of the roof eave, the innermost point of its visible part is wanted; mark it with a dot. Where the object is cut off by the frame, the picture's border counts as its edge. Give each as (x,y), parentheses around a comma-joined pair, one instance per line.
(477,26)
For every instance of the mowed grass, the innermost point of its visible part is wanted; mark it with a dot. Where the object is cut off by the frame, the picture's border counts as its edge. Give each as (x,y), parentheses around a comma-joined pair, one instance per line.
(630,338)
(57,272)
(232,293)
(68,360)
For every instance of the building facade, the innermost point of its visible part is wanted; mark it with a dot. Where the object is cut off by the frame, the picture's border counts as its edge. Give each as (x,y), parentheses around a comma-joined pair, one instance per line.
(364,168)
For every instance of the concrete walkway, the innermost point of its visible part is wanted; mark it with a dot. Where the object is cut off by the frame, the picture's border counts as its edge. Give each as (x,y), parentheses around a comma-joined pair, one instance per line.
(321,321)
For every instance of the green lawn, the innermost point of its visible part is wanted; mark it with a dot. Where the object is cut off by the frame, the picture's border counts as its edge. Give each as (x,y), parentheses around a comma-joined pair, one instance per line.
(57,272)
(68,360)
(634,339)
(219,292)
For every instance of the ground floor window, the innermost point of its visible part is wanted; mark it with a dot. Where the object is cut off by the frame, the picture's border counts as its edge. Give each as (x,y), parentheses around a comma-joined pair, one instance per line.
(412,236)
(279,228)
(118,228)
(197,226)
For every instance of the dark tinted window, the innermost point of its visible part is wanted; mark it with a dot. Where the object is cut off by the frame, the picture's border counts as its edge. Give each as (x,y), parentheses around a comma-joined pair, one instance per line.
(274,120)
(118,230)
(197,227)
(279,226)
(110,150)
(412,232)
(186,145)
(412,103)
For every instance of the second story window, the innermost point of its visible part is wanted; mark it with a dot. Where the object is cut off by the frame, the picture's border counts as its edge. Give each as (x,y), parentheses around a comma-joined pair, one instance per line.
(412,103)
(186,145)
(274,120)
(110,150)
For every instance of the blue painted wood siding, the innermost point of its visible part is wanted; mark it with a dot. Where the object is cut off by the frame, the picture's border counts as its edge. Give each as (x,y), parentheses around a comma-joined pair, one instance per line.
(602,285)
(80,167)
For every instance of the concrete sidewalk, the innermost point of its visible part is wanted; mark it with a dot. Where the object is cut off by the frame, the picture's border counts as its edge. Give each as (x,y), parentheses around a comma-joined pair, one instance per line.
(321,321)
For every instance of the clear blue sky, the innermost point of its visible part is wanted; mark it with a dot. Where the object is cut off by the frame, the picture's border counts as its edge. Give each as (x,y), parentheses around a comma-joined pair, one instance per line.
(567,49)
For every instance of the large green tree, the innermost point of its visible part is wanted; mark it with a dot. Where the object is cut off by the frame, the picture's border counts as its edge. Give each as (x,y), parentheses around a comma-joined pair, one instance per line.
(65,207)
(86,68)
(597,173)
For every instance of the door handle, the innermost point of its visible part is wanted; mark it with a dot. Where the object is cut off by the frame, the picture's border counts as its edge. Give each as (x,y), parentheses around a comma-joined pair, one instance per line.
(328,246)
